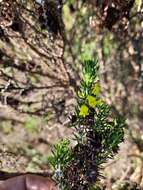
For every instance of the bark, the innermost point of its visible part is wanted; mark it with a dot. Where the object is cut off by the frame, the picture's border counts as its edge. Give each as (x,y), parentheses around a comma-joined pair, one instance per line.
(30,63)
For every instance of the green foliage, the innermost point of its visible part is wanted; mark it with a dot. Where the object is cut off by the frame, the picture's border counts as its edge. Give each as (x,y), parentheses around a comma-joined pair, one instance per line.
(61,155)
(97,135)
(60,159)
(89,73)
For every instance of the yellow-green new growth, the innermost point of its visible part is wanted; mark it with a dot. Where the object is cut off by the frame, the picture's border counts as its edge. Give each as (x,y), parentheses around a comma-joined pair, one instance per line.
(93,102)
(96,89)
(84,110)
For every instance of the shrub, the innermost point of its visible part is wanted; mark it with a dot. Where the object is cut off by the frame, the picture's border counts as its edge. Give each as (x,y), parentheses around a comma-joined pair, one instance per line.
(97,134)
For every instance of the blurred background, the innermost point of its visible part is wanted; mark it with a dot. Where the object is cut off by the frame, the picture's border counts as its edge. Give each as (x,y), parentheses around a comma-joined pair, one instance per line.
(40,71)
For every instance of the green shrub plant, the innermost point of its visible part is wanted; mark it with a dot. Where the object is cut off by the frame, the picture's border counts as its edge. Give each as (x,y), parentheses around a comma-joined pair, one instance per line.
(97,136)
